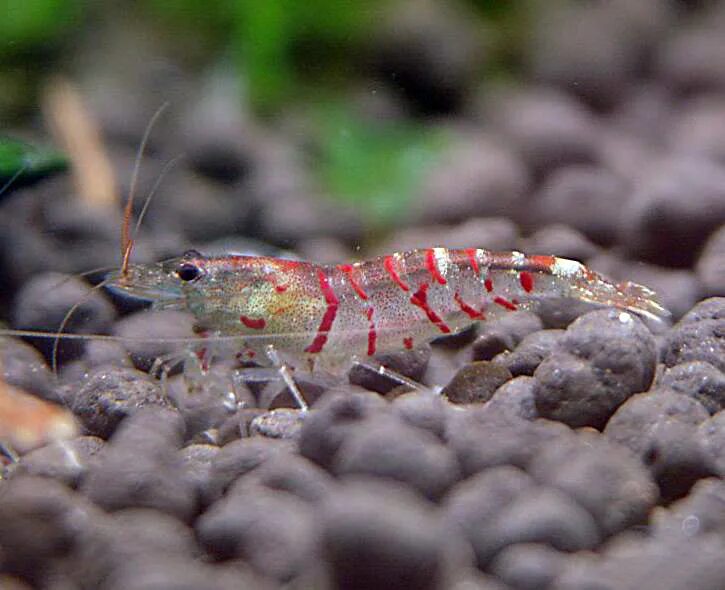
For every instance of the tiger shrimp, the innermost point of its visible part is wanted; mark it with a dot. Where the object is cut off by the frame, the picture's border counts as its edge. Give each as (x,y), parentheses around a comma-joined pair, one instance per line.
(332,316)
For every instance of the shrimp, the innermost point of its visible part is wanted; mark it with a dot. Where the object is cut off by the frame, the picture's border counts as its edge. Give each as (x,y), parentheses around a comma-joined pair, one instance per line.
(326,315)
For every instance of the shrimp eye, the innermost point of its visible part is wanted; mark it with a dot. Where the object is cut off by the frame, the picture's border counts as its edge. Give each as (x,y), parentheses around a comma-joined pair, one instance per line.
(188,272)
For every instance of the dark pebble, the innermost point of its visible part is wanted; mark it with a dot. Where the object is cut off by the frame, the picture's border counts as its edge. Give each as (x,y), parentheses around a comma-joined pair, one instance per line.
(691,60)
(540,515)
(594,51)
(482,438)
(624,492)
(219,144)
(668,443)
(475,177)
(712,436)
(699,335)
(100,353)
(118,543)
(407,51)
(698,129)
(239,457)
(23,366)
(409,363)
(476,383)
(43,303)
(588,198)
(153,326)
(386,447)
(528,566)
(645,412)
(605,357)
(711,264)
(273,531)
(699,380)
(376,535)
(42,521)
(530,352)
(650,564)
(281,423)
(140,467)
(569,390)
(549,128)
(515,398)
(504,333)
(196,461)
(335,416)
(474,503)
(111,394)
(66,462)
(290,214)
(701,512)
(176,573)
(423,410)
(287,473)
(664,228)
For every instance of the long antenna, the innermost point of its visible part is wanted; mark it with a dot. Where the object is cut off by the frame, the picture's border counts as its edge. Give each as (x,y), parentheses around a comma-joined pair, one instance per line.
(126,238)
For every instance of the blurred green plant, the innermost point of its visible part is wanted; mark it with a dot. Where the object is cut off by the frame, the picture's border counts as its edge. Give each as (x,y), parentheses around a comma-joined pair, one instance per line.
(27,25)
(378,167)
(21,162)
(279,46)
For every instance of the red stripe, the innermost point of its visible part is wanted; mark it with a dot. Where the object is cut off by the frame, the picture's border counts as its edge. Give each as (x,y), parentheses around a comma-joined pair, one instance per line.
(389,265)
(372,335)
(431,263)
(328,318)
(408,342)
(420,298)
(488,283)
(281,288)
(545,262)
(505,303)
(467,309)
(254,324)
(527,281)
(471,253)
(349,270)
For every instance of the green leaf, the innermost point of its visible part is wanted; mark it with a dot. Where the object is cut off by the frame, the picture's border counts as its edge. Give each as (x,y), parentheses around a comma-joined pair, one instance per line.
(26,24)
(378,166)
(22,160)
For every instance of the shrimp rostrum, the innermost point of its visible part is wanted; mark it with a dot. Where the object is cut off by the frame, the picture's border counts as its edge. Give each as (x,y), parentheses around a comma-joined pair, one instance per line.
(328,316)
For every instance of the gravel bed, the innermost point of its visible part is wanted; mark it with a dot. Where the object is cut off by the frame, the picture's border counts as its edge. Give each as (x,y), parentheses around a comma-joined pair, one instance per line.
(574,450)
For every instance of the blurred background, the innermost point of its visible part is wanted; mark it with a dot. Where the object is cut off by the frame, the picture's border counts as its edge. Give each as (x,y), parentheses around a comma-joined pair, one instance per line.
(339,129)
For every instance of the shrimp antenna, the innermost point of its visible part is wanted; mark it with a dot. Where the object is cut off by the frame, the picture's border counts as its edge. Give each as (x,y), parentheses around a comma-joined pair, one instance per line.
(126,239)
(14,177)
(167,167)
(66,319)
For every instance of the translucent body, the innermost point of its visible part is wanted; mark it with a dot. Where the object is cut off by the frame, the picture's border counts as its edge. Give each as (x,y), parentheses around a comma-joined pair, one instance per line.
(326,314)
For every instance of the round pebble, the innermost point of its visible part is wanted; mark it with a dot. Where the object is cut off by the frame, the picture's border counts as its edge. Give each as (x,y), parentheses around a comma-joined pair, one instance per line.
(476,383)
(605,356)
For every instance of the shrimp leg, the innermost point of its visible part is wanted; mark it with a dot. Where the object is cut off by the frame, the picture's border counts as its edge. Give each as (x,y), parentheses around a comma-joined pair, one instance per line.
(384,371)
(284,372)
(279,370)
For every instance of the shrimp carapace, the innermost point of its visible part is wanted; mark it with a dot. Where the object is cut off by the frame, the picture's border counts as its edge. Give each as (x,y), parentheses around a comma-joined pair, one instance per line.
(360,309)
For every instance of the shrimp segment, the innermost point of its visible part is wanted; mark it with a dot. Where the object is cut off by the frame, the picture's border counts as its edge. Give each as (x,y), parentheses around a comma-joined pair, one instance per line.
(331,313)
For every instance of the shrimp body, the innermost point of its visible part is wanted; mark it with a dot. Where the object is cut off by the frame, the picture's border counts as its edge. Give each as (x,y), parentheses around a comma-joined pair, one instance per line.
(329,313)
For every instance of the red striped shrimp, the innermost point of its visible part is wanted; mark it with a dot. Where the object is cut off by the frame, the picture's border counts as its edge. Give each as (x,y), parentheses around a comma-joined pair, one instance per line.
(328,316)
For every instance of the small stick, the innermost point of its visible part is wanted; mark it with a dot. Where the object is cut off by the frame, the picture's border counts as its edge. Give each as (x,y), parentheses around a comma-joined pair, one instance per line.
(76,130)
